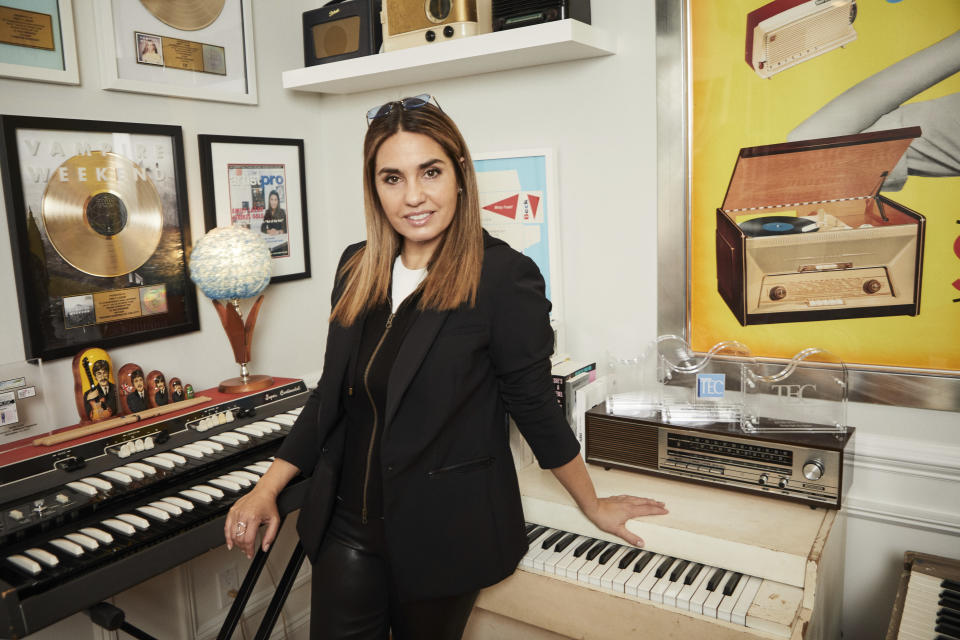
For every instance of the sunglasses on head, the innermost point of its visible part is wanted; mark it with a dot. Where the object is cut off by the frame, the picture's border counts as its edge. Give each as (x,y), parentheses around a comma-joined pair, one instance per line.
(406,104)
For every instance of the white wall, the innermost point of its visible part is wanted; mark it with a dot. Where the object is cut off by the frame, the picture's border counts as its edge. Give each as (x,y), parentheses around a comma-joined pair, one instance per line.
(600,117)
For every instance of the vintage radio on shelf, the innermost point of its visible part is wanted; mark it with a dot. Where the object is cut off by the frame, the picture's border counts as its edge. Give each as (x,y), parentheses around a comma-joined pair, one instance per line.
(340,30)
(510,14)
(803,233)
(410,23)
(784,33)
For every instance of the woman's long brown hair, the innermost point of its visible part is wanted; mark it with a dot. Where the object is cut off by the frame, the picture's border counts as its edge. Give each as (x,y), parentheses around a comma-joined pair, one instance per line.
(453,272)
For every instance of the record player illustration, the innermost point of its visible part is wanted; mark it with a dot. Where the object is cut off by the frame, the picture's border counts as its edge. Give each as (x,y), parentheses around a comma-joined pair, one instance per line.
(803,233)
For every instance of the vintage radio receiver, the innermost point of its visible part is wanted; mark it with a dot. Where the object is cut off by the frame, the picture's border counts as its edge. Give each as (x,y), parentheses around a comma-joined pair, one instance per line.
(341,29)
(783,33)
(410,23)
(510,14)
(807,467)
(803,233)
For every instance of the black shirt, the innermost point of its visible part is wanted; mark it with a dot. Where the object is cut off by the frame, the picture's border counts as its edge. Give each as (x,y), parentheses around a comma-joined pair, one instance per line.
(365,397)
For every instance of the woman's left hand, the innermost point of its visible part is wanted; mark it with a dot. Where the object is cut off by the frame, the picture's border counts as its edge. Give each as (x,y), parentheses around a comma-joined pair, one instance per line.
(612,513)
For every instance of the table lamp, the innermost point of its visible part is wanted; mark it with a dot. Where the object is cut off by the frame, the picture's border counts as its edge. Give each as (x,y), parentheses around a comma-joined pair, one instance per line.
(228,264)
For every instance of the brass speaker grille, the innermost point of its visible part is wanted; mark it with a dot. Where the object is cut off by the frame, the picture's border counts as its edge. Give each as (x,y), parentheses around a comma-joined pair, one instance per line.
(621,442)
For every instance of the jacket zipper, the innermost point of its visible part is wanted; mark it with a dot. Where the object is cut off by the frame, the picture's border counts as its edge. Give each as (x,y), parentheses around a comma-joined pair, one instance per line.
(373,434)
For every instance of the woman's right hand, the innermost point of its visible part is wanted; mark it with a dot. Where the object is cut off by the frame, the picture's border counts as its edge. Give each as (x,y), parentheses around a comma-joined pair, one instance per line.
(259,507)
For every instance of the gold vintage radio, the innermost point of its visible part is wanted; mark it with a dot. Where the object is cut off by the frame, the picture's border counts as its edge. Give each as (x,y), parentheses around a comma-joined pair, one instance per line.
(803,233)
(410,23)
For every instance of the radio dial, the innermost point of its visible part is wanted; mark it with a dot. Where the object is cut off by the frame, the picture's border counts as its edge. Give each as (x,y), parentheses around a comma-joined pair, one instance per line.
(813,470)
(778,292)
(763,479)
(783,483)
(430,35)
(448,31)
(872,286)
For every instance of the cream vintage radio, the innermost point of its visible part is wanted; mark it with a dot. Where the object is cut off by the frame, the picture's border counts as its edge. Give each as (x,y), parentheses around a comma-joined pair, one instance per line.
(803,233)
(783,33)
(410,23)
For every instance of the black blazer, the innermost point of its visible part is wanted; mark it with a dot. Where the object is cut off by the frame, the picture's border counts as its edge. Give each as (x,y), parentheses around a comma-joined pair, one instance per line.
(451,500)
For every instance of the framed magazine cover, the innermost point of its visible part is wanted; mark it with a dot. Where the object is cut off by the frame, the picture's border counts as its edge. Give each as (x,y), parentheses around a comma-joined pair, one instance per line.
(37,41)
(204,52)
(259,183)
(97,213)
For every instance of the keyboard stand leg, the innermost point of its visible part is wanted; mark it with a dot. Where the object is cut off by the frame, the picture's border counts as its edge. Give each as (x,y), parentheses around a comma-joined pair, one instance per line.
(112,618)
(246,589)
(280,596)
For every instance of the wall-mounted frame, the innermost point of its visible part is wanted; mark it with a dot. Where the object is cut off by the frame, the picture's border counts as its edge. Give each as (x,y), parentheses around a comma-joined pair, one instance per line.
(37,41)
(930,388)
(98,223)
(207,58)
(518,204)
(259,183)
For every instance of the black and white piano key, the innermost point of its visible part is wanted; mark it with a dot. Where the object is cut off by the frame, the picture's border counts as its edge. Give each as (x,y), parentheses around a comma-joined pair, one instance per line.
(931,609)
(558,566)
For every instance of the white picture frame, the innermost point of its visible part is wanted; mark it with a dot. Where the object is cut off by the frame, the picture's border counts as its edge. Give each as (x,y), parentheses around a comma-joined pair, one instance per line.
(516,178)
(62,21)
(119,21)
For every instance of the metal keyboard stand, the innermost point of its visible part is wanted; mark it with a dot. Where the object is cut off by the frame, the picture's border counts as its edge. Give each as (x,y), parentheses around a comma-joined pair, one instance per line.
(276,603)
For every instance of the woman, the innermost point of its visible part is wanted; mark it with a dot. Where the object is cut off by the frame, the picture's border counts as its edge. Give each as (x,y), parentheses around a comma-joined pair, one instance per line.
(437,331)
(274,218)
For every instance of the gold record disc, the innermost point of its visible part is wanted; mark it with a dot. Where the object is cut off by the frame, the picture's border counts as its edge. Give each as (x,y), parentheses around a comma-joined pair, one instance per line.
(186,15)
(105,218)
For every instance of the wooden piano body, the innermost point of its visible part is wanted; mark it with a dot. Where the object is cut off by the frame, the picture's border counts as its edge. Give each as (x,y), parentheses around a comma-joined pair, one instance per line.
(797,550)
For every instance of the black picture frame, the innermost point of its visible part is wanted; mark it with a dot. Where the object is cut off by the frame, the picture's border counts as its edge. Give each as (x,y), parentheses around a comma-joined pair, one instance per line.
(52,168)
(227,164)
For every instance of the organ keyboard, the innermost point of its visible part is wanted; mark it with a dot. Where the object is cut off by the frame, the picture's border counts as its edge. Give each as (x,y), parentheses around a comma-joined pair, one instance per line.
(131,503)
(928,599)
(720,565)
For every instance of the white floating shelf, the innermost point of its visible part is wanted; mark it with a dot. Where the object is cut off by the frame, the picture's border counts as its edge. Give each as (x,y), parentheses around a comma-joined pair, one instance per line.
(545,43)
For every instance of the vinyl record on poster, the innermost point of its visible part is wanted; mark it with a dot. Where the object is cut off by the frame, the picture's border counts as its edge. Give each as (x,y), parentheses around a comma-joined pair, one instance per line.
(777,226)
(186,15)
(102,214)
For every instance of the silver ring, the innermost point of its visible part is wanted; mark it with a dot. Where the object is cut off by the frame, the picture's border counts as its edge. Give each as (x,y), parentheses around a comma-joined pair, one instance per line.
(241,527)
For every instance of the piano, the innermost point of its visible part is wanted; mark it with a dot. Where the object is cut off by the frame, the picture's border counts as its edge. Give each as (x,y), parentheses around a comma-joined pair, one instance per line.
(721,565)
(928,599)
(82,521)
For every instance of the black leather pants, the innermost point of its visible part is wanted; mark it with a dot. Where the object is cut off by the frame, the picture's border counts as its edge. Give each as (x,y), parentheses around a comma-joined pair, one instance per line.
(354,596)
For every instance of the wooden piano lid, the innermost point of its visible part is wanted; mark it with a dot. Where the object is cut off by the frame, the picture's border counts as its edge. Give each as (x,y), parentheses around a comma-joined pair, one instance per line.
(815,170)
(759,536)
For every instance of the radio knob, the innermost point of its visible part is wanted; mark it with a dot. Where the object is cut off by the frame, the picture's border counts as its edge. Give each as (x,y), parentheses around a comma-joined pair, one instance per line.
(813,470)
(778,292)
(872,286)
(448,31)
(783,483)
(763,479)
(430,35)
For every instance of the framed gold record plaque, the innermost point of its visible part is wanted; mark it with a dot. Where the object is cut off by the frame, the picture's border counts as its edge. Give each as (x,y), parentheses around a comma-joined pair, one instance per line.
(98,224)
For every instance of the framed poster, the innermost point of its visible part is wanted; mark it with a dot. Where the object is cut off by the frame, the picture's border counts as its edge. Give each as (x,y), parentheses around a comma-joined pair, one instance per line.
(518,204)
(852,142)
(178,48)
(37,41)
(259,183)
(98,225)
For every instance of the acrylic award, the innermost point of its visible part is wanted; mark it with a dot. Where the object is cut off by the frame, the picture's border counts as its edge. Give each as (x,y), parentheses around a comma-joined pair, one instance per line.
(671,383)
(808,394)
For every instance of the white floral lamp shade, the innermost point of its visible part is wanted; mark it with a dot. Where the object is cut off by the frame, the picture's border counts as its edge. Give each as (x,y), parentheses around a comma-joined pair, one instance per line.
(230,263)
